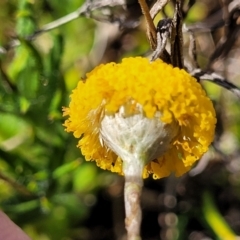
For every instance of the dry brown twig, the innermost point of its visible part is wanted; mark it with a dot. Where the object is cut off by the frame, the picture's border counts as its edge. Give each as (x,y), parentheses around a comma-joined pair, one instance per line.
(157,7)
(151,30)
(231,22)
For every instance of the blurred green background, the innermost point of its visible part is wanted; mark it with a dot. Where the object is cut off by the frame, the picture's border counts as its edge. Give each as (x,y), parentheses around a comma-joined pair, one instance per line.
(46,186)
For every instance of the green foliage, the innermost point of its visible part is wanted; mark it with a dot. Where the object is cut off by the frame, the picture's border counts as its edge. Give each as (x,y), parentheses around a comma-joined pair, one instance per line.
(39,163)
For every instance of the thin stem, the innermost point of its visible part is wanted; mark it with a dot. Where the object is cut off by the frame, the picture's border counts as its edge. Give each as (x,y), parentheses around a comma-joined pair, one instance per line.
(151,29)
(157,7)
(132,194)
(20,188)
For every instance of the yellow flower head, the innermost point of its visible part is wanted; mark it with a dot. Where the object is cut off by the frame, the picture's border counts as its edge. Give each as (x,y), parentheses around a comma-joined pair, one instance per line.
(122,108)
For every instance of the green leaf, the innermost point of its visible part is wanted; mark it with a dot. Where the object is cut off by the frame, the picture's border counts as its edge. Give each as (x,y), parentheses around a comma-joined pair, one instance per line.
(215,220)
(84,178)
(23,207)
(11,125)
(66,168)
(25,21)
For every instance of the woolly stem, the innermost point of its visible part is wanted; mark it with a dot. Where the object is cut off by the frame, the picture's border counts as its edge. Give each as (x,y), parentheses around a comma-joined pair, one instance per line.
(133,171)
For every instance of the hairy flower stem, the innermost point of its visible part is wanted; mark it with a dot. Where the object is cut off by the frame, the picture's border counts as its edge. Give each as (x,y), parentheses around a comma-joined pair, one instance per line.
(132,193)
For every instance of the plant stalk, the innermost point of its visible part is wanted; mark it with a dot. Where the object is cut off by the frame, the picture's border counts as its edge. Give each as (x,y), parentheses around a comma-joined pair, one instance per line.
(132,194)
(151,29)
